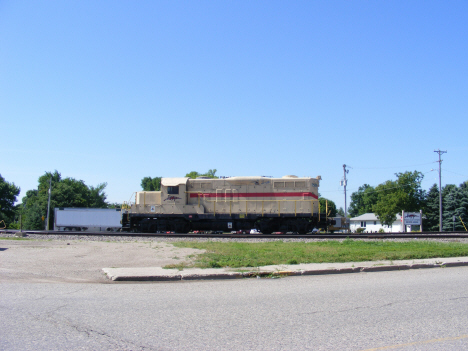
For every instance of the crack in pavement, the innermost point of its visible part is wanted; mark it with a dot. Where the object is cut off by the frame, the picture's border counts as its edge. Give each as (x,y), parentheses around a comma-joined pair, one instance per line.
(355,308)
(115,341)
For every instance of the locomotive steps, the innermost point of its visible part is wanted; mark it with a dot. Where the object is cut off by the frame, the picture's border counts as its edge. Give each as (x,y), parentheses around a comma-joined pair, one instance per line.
(161,274)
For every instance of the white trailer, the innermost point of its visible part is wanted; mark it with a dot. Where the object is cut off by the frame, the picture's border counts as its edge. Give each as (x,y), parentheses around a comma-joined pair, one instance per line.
(87,219)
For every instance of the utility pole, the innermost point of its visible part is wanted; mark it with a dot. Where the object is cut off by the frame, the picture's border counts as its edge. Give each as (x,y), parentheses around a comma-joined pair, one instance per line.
(344,183)
(440,187)
(48,204)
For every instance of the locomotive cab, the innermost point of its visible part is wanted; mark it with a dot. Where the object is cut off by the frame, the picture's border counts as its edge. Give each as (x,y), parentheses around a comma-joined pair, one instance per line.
(173,191)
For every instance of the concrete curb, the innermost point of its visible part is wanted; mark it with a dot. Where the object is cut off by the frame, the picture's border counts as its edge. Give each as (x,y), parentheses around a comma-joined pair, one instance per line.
(211,276)
(160,274)
(385,268)
(454,264)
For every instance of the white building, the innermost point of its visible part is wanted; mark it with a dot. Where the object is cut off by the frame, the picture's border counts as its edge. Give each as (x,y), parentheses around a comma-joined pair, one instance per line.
(371,224)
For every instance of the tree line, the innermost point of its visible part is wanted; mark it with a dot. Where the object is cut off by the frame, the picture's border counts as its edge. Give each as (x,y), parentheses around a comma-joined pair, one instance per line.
(385,200)
(405,194)
(32,211)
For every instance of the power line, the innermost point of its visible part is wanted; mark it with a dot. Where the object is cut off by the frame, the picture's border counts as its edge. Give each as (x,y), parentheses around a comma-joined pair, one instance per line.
(462,175)
(421,164)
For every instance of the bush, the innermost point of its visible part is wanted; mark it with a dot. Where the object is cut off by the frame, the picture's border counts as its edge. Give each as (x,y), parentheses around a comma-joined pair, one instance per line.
(381,230)
(360,230)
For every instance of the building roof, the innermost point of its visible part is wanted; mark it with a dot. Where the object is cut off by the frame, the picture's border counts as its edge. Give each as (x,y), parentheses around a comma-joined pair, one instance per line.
(371,217)
(365,217)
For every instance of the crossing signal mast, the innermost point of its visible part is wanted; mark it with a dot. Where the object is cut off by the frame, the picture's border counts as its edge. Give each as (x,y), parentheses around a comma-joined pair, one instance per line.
(344,183)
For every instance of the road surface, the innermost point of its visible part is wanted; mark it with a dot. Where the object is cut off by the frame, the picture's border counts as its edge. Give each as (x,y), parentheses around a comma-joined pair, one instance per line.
(399,310)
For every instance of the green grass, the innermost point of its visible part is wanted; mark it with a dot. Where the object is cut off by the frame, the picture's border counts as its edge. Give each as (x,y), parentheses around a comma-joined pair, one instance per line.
(13,238)
(241,254)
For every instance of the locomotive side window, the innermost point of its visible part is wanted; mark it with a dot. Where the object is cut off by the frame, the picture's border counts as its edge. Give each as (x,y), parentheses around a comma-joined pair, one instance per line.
(289,184)
(173,190)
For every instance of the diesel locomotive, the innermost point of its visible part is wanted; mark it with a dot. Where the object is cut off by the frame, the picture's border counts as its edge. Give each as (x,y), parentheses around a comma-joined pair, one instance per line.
(287,204)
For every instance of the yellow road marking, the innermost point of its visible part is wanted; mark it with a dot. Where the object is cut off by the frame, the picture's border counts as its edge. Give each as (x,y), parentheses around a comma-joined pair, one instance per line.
(417,343)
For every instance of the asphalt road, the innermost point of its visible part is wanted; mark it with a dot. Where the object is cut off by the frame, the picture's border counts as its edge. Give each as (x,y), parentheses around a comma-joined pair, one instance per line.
(399,310)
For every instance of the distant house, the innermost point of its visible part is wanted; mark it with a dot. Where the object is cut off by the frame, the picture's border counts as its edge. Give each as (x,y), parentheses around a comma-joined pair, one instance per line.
(371,224)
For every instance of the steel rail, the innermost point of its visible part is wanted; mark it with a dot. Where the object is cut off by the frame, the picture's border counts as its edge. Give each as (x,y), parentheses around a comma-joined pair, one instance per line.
(412,235)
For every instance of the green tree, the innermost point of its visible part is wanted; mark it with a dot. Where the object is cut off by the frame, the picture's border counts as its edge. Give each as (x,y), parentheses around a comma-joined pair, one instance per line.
(33,214)
(404,194)
(331,206)
(455,204)
(340,212)
(362,201)
(193,175)
(8,195)
(464,189)
(67,192)
(97,197)
(431,210)
(151,184)
(210,174)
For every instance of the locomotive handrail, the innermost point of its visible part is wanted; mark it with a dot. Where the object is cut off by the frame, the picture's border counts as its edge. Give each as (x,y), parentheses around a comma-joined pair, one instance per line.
(128,204)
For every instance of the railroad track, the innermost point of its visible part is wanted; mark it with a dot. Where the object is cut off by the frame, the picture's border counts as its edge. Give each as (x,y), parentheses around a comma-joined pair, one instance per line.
(412,235)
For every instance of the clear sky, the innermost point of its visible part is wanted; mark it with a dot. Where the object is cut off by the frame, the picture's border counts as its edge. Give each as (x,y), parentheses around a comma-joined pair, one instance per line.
(113,91)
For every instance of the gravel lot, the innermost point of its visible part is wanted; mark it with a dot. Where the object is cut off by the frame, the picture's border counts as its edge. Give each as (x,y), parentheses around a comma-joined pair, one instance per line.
(79,259)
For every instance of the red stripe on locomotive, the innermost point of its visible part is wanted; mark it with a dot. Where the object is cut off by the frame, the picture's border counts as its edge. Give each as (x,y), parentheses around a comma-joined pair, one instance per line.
(231,195)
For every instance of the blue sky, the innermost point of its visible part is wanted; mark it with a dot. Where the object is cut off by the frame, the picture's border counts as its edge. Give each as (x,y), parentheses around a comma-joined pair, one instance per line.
(113,91)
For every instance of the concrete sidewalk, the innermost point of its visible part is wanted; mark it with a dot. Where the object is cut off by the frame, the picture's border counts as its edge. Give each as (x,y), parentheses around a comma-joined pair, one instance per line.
(161,274)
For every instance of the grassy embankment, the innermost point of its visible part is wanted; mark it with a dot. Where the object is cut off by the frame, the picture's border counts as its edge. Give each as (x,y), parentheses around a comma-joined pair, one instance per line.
(242,254)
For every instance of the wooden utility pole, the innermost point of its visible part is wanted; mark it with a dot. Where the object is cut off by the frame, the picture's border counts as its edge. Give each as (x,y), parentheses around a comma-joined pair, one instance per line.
(344,184)
(440,187)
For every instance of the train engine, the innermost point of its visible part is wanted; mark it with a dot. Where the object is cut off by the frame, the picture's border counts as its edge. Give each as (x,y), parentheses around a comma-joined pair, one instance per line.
(287,204)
